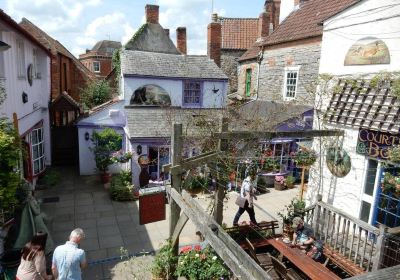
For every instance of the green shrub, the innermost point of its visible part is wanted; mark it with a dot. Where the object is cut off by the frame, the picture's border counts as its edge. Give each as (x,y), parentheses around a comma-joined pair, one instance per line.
(95,93)
(164,263)
(106,142)
(121,188)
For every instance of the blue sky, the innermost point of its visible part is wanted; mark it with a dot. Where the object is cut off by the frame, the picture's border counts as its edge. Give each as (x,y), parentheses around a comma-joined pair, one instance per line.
(80,24)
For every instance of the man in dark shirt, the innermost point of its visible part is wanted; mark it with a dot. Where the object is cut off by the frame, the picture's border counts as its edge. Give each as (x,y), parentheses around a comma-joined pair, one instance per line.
(303,236)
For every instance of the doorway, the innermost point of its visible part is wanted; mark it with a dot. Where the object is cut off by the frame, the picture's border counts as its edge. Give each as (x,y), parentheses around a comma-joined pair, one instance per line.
(371,183)
(158,156)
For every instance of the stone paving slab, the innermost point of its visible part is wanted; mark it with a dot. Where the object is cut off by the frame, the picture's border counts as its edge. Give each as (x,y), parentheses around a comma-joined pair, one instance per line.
(111,225)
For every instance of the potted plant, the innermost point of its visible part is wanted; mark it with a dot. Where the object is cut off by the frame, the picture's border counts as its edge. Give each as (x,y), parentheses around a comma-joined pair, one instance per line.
(304,157)
(391,184)
(201,265)
(279,183)
(290,181)
(106,142)
(195,184)
(164,263)
(294,209)
(121,188)
(270,165)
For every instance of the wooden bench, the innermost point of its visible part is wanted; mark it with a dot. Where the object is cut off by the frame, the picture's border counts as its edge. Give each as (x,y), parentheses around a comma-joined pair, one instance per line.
(341,261)
(263,259)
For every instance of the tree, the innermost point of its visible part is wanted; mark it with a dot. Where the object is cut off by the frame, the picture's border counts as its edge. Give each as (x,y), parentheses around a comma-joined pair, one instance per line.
(95,93)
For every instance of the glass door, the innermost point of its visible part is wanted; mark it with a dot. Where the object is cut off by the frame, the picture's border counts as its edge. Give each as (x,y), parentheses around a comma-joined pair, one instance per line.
(370,188)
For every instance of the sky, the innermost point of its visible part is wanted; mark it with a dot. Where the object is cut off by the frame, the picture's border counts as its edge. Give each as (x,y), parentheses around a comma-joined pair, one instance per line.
(79,24)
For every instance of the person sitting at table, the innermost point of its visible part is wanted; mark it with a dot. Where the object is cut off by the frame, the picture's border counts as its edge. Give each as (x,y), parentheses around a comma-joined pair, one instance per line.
(303,236)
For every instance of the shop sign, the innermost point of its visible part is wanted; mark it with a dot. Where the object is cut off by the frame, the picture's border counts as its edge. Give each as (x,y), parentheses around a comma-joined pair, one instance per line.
(151,208)
(375,144)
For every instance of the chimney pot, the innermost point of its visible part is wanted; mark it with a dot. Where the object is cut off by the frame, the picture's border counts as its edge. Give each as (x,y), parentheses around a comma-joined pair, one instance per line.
(166,31)
(181,39)
(151,13)
(214,17)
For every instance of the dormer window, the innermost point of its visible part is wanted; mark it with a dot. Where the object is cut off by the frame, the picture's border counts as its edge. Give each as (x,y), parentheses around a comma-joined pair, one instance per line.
(96,66)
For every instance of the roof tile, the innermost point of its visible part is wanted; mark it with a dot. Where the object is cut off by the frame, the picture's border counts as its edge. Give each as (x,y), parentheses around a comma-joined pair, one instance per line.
(238,33)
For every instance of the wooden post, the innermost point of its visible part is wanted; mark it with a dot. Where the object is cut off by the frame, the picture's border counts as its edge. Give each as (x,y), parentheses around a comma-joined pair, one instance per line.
(380,247)
(176,156)
(221,180)
(302,183)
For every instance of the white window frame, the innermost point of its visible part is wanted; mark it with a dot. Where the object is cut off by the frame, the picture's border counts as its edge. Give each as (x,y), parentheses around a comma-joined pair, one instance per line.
(39,157)
(21,71)
(291,69)
(35,63)
(94,70)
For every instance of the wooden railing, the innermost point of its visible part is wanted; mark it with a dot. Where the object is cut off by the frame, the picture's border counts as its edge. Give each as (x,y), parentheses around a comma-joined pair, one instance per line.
(354,239)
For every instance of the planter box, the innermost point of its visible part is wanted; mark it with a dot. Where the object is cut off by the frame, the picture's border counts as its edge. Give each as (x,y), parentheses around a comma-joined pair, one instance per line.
(279,186)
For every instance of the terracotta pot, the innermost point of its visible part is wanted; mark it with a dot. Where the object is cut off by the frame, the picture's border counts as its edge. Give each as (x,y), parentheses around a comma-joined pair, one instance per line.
(105,177)
(291,186)
(279,186)
(194,191)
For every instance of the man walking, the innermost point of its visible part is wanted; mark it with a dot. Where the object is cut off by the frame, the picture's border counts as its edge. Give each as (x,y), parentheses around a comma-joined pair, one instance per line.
(68,259)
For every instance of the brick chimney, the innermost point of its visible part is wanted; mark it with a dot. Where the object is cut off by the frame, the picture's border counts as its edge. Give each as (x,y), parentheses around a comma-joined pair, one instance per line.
(277,13)
(263,23)
(214,40)
(268,20)
(181,39)
(151,13)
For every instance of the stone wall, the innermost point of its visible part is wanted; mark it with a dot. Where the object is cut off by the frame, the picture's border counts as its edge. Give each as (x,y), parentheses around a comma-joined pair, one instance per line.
(272,71)
(229,65)
(253,65)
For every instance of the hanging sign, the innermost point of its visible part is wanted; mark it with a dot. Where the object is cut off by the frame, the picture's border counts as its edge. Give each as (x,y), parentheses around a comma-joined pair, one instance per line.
(375,144)
(151,207)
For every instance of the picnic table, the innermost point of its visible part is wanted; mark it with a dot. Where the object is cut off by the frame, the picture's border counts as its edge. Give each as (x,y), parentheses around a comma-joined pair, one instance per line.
(313,269)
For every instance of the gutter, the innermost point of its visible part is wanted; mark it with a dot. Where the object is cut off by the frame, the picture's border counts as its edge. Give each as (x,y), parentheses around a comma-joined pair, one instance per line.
(259,60)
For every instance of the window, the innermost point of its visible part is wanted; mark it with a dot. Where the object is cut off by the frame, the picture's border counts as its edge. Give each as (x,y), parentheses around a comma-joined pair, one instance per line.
(37,143)
(20,59)
(36,72)
(192,93)
(248,82)
(96,66)
(291,79)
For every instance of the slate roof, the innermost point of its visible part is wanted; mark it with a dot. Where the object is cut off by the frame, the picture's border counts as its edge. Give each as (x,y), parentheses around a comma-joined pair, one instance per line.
(238,33)
(169,65)
(6,18)
(53,45)
(156,122)
(105,45)
(151,37)
(303,23)
(358,104)
(260,115)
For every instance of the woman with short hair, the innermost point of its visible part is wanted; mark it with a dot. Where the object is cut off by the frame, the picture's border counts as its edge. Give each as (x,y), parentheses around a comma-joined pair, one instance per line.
(33,260)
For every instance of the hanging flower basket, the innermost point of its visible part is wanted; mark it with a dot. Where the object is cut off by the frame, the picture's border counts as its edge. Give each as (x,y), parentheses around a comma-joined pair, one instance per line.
(121,157)
(394,154)
(195,184)
(304,157)
(391,184)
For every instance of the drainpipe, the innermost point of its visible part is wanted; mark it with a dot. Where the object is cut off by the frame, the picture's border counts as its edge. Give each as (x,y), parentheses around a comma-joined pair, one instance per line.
(259,60)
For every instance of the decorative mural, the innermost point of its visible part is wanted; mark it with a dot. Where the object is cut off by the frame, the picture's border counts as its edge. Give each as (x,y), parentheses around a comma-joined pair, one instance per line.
(150,95)
(338,161)
(368,51)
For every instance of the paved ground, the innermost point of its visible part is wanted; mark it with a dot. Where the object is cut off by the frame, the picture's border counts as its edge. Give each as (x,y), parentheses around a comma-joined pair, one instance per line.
(110,225)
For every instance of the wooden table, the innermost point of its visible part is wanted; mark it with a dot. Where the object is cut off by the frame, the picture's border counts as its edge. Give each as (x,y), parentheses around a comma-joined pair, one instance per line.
(311,268)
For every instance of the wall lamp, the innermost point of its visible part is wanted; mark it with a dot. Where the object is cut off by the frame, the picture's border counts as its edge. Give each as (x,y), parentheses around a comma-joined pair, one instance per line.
(87,136)
(139,149)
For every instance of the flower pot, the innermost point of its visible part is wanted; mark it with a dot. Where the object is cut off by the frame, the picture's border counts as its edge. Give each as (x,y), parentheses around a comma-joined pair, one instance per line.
(105,178)
(279,186)
(194,192)
(289,186)
(288,231)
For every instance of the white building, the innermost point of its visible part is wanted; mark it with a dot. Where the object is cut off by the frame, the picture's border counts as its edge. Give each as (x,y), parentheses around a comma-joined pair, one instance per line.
(159,84)
(357,44)
(25,76)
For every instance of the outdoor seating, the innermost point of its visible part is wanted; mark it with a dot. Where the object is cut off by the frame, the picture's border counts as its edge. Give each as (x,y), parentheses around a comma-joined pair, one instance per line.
(263,259)
(283,271)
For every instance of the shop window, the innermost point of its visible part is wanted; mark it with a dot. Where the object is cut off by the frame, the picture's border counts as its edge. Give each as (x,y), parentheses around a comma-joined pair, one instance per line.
(37,145)
(248,82)
(20,59)
(192,93)
(96,66)
(291,81)
(280,152)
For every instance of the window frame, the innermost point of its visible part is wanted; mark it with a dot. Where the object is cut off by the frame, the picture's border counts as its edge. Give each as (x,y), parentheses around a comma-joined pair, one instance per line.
(94,70)
(247,83)
(40,153)
(184,91)
(35,63)
(21,67)
(288,70)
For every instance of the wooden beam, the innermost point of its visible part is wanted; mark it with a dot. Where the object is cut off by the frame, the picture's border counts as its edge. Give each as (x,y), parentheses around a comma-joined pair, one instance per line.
(229,251)
(195,161)
(178,228)
(277,134)
(176,155)
(390,273)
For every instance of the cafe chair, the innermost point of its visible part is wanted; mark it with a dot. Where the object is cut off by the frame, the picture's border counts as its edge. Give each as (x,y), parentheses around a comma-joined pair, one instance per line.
(263,259)
(283,271)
